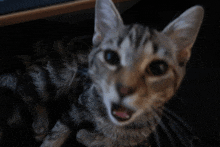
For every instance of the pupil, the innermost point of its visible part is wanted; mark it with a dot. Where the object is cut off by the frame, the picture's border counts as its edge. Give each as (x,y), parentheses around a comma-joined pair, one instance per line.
(109,56)
(158,67)
(112,57)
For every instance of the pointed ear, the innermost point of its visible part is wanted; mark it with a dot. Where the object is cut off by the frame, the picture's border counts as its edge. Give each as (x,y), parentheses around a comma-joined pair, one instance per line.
(107,18)
(184,30)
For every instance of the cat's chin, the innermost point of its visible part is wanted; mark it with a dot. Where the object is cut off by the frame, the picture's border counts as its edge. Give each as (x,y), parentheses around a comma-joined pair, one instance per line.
(121,113)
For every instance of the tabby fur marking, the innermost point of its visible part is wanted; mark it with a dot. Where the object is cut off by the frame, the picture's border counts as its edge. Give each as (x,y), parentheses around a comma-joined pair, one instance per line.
(134,70)
(31,83)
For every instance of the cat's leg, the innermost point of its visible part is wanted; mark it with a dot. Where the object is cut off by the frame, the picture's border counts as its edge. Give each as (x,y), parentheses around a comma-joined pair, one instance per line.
(41,122)
(58,135)
(94,139)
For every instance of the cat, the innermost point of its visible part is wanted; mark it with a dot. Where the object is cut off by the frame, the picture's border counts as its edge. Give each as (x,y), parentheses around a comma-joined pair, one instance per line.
(134,71)
(36,83)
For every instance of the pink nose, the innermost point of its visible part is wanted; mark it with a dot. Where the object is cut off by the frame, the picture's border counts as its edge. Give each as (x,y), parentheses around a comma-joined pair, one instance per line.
(124,91)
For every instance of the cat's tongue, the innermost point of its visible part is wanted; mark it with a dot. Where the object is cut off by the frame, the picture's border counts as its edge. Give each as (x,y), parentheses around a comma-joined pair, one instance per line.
(121,113)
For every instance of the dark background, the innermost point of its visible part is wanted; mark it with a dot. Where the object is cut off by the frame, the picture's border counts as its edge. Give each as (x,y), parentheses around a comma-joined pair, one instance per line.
(200,88)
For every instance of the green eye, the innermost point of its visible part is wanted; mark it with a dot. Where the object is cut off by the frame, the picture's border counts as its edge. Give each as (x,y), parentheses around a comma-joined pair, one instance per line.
(157,68)
(111,57)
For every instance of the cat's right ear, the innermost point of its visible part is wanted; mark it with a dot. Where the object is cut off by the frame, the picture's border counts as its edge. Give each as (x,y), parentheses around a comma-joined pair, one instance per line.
(107,20)
(184,30)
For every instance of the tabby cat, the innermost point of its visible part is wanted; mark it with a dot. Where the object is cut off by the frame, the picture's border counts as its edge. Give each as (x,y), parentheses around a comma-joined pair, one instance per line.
(135,71)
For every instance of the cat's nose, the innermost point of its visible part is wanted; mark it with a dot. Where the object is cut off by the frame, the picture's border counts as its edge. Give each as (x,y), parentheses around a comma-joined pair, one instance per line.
(124,90)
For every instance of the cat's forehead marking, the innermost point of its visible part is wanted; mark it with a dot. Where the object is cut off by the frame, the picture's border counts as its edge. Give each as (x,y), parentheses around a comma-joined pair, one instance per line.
(125,52)
(148,48)
(138,35)
(142,42)
(135,42)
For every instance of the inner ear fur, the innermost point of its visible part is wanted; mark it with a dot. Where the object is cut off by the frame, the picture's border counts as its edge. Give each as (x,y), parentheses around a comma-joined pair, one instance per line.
(184,30)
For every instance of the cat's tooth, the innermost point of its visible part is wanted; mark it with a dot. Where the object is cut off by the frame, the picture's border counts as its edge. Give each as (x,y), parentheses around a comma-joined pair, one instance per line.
(114,112)
(127,116)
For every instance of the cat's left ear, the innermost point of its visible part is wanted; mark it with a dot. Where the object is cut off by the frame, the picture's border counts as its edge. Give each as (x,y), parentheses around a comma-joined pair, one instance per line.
(107,20)
(184,30)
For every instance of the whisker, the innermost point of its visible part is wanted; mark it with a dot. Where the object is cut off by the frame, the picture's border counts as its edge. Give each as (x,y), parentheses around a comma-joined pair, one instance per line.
(166,110)
(162,125)
(176,128)
(156,136)
(181,100)
(171,120)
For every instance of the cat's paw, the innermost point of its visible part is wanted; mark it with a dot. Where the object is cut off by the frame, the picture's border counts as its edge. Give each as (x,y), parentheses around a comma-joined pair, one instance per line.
(93,139)
(57,136)
(84,137)
(40,127)
(40,137)
(41,122)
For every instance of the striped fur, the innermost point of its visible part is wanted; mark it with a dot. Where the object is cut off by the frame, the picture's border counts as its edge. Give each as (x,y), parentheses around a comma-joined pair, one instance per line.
(37,82)
(134,70)
(131,84)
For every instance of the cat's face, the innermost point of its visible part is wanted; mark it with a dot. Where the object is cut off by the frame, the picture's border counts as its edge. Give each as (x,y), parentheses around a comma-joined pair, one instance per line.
(136,69)
(135,74)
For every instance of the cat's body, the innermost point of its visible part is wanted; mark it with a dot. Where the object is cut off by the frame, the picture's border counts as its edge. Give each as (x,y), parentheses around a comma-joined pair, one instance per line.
(134,71)
(36,84)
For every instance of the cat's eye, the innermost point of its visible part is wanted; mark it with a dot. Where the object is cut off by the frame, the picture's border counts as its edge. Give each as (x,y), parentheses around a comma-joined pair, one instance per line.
(157,68)
(111,57)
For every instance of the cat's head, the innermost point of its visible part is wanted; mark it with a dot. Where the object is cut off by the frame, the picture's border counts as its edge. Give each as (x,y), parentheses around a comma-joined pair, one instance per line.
(135,68)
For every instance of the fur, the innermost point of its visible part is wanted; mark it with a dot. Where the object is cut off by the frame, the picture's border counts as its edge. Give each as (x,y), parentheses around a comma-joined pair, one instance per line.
(126,68)
(34,83)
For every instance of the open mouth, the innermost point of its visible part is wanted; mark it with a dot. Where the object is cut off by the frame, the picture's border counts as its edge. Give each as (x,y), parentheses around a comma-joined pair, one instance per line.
(121,113)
